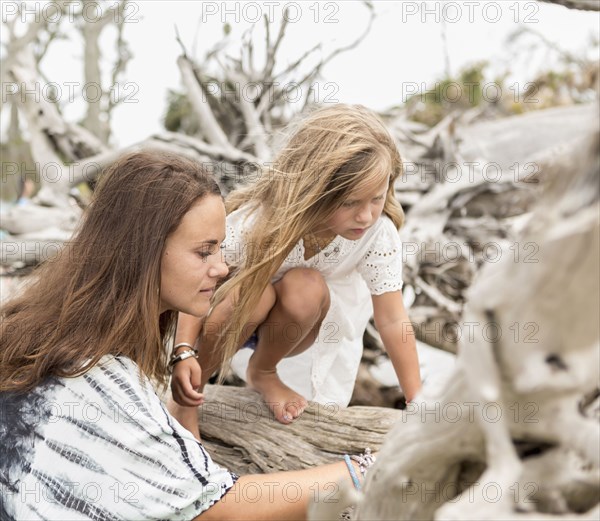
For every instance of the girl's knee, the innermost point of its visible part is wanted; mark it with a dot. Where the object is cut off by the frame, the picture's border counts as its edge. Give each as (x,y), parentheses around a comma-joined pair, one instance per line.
(305,280)
(304,290)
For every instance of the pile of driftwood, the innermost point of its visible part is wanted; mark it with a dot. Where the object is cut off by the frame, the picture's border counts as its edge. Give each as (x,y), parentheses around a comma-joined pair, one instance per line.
(469,189)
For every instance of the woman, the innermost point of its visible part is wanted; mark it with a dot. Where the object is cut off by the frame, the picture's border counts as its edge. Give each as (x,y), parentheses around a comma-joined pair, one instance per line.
(83,434)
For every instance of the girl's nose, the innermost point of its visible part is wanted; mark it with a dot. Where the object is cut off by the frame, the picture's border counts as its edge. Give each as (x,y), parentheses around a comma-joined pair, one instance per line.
(364,216)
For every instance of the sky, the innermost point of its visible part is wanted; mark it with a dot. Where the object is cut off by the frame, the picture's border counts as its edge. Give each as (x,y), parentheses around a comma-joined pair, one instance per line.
(403,51)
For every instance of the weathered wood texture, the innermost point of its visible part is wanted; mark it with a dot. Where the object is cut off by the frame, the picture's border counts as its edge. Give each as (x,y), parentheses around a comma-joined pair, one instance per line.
(468,189)
(588,5)
(241,434)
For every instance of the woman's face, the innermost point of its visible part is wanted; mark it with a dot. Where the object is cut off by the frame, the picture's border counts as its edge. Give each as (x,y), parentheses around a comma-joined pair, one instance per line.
(192,263)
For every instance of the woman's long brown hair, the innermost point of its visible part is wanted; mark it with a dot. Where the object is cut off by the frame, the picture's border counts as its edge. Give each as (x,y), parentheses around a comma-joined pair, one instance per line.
(100,295)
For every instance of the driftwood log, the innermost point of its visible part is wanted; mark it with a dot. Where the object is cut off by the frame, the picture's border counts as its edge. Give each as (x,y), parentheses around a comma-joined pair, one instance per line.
(240,432)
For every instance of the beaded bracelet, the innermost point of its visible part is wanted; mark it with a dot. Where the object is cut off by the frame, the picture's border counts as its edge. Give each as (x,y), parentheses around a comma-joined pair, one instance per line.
(364,460)
(188,353)
(352,472)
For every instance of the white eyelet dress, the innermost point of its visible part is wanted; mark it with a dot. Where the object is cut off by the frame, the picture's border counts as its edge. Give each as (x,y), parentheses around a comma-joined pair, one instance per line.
(354,270)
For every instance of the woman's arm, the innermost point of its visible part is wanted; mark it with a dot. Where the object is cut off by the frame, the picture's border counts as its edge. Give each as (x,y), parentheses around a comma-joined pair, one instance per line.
(393,324)
(280,495)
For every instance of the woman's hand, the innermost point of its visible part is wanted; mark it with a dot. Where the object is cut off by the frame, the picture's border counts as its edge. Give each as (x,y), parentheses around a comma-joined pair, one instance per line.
(185,383)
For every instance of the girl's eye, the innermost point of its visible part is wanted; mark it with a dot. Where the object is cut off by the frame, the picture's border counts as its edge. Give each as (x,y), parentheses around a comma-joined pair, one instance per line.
(380,198)
(349,204)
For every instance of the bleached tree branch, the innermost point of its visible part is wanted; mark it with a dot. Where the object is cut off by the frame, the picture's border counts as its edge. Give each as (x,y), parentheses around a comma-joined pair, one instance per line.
(587,5)
(209,125)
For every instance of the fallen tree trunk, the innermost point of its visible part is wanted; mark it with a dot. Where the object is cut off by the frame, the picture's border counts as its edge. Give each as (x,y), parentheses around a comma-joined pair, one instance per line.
(240,432)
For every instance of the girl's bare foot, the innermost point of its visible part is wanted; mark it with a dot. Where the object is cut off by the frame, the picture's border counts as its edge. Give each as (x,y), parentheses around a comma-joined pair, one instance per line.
(285,403)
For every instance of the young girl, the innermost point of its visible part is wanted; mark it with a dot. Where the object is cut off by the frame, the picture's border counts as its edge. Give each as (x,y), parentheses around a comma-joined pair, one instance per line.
(317,252)
(83,434)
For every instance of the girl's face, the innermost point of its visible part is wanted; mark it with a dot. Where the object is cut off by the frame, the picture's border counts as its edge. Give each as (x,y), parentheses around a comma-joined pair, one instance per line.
(359,212)
(191,263)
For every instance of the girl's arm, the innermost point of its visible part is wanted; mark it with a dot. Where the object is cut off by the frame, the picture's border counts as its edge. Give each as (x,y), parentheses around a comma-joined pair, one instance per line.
(393,324)
(188,328)
(187,374)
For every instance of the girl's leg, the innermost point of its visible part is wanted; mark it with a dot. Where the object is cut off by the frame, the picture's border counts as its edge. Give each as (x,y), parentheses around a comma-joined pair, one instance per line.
(209,356)
(290,328)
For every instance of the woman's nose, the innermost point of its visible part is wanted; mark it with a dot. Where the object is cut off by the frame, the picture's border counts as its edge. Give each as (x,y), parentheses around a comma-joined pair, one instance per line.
(219,269)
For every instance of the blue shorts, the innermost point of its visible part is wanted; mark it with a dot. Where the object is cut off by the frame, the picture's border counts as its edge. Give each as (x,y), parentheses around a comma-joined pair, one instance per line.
(252,341)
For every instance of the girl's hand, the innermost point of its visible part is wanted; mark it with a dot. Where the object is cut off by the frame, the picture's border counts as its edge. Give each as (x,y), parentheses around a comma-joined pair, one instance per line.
(185,382)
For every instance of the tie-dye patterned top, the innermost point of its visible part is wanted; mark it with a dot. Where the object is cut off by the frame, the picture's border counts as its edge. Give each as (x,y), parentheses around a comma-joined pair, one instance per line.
(101,446)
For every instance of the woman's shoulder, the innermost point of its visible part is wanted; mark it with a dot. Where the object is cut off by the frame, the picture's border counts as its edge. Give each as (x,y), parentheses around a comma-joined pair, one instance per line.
(116,364)
(113,380)
(122,374)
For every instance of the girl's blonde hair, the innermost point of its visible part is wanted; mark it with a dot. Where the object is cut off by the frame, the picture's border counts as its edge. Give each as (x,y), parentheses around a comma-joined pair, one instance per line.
(333,152)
